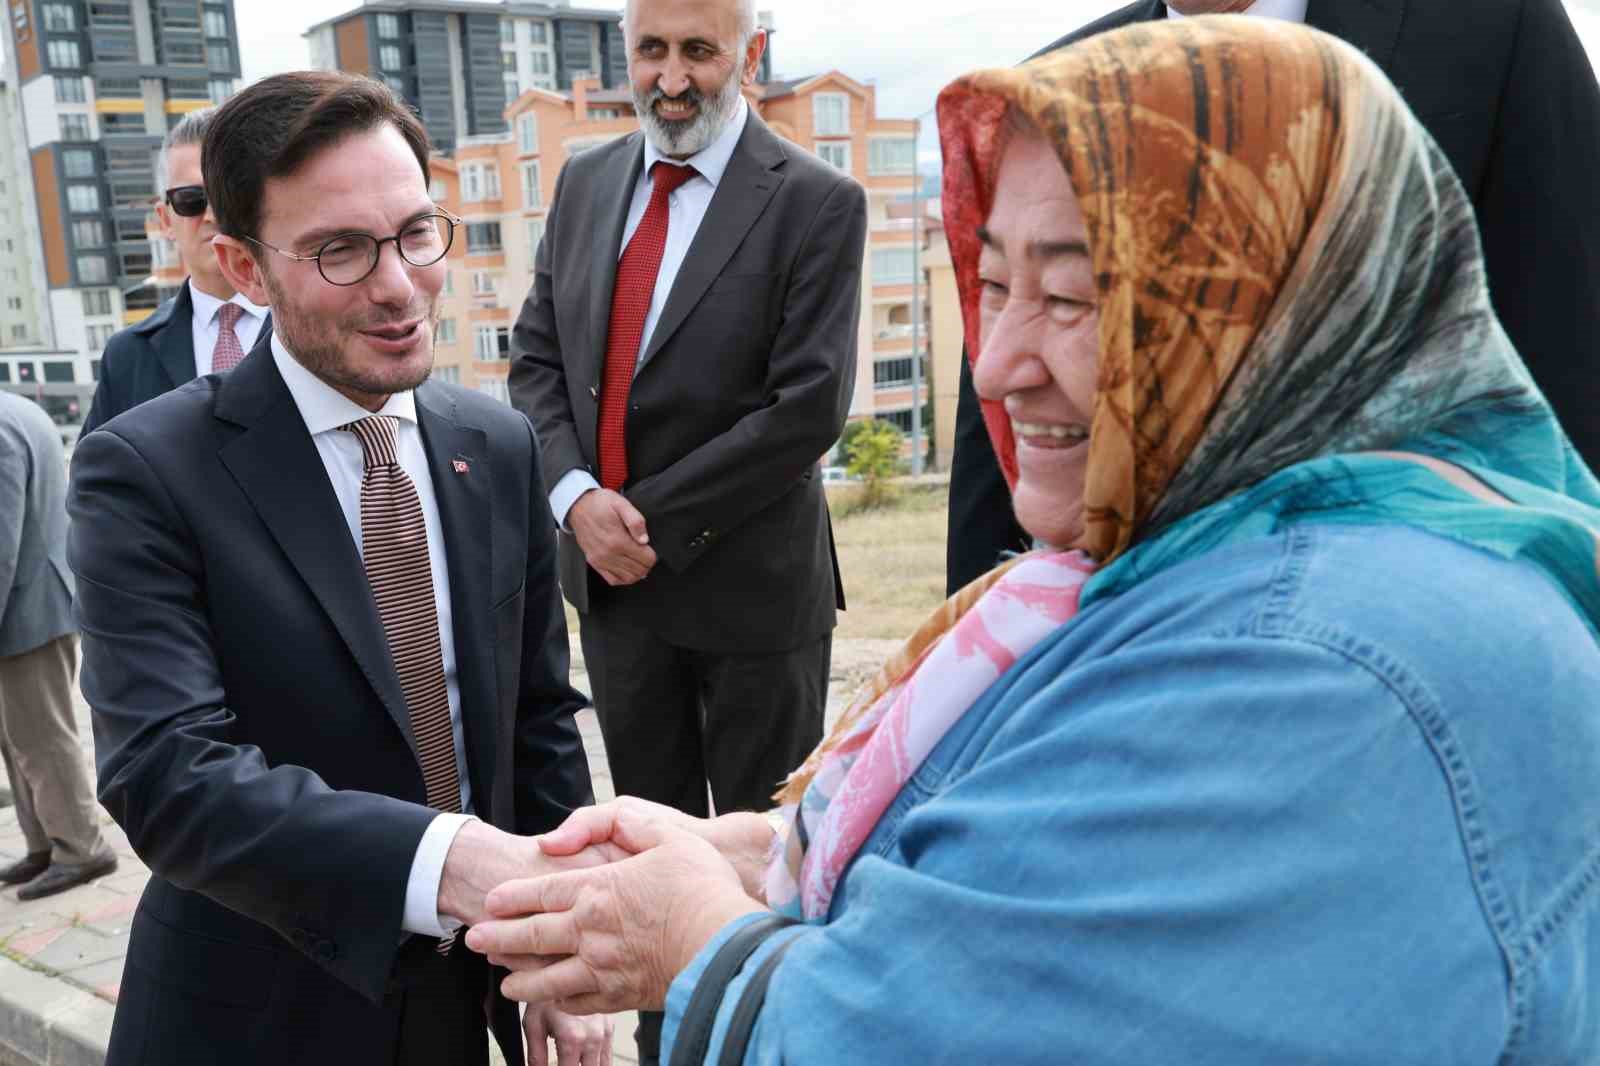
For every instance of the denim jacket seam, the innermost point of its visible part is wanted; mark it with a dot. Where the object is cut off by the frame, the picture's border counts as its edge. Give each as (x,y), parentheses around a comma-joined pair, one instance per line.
(1422,707)
(1581,888)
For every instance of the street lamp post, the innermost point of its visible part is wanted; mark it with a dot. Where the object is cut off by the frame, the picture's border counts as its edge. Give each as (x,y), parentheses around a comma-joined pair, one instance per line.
(916,301)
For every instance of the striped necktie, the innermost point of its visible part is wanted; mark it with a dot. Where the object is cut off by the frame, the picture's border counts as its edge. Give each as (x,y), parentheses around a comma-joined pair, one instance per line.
(394,551)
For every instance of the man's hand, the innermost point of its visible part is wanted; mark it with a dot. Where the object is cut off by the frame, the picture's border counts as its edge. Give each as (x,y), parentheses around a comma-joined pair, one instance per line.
(580,1041)
(482,857)
(612,534)
(742,838)
(613,937)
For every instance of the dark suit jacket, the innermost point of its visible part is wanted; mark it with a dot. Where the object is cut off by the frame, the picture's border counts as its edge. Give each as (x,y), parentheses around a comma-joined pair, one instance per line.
(148,359)
(747,385)
(1505,88)
(250,730)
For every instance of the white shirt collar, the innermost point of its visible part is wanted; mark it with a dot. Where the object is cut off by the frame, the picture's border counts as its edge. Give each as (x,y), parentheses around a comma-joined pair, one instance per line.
(713,159)
(325,408)
(1288,10)
(206,306)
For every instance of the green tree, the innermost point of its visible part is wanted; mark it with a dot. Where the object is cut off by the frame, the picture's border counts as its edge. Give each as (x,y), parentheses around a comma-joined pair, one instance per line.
(874,457)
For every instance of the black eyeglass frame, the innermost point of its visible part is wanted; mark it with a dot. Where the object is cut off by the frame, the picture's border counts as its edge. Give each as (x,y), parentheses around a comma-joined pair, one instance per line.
(450,220)
(172,202)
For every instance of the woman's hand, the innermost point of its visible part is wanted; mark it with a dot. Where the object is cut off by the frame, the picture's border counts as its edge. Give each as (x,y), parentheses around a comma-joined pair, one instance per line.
(614,937)
(743,838)
(579,1041)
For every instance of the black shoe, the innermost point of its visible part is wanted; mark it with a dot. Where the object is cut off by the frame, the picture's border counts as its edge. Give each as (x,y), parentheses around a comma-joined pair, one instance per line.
(25,869)
(59,878)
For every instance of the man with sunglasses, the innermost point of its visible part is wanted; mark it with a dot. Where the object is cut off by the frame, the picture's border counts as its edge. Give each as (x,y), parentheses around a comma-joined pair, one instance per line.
(208,326)
(323,642)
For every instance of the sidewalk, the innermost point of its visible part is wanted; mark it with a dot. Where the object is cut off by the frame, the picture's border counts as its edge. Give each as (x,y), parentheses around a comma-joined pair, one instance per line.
(61,957)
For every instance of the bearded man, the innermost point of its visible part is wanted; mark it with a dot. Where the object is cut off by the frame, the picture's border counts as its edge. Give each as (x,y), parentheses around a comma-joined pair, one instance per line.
(1505,88)
(321,631)
(686,354)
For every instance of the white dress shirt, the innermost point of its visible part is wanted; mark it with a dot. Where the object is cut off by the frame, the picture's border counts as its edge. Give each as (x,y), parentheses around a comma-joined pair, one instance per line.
(206,326)
(325,410)
(1288,10)
(686,209)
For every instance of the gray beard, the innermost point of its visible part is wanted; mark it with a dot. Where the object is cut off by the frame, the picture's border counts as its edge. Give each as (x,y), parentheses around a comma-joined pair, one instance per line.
(689,136)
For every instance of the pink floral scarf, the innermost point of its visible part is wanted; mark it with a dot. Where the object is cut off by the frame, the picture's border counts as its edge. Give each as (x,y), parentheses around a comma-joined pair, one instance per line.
(833,802)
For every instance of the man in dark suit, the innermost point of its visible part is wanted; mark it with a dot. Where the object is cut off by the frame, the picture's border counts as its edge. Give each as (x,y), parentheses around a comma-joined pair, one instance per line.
(38,658)
(208,326)
(1505,88)
(687,354)
(321,629)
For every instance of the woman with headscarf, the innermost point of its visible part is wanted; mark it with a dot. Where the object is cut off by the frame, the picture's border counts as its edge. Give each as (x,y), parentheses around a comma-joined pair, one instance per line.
(1289,751)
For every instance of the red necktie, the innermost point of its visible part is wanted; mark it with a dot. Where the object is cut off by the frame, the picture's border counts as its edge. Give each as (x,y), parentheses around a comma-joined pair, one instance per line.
(630,306)
(226,354)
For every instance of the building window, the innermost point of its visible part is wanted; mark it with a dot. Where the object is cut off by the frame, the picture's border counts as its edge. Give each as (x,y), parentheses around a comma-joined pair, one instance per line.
(221,89)
(217,23)
(528,133)
(183,14)
(532,198)
(92,269)
(188,89)
(110,13)
(891,266)
(131,228)
(77,162)
(891,156)
(508,32)
(96,302)
(58,372)
(133,191)
(118,88)
(389,26)
(70,90)
(535,227)
(891,373)
(89,233)
(835,152)
(19,333)
(116,47)
(538,33)
(450,375)
(483,238)
(491,342)
(541,63)
(449,283)
(83,198)
(513,87)
(59,18)
(220,56)
(496,389)
(99,336)
(830,114)
(479,182)
(114,122)
(483,284)
(64,54)
(188,51)
(389,57)
(491,183)
(447,331)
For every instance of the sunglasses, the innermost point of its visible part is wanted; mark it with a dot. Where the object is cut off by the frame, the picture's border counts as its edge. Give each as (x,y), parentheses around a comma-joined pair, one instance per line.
(187,200)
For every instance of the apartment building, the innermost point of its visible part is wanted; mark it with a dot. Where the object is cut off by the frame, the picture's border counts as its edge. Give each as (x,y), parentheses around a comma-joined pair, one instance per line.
(460,64)
(502,184)
(21,270)
(99,83)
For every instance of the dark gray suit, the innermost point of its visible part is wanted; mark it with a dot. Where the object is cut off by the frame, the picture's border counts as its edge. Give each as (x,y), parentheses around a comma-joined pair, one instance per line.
(714,667)
(253,739)
(38,646)
(148,359)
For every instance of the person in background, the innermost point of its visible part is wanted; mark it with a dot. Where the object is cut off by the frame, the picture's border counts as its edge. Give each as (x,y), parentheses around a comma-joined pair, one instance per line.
(208,326)
(1284,749)
(1506,90)
(686,354)
(38,662)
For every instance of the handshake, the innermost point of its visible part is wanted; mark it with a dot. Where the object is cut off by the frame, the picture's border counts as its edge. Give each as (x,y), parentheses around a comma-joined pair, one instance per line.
(602,914)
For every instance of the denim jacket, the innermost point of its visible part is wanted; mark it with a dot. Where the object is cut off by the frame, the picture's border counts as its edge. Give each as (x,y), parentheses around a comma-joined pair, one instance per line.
(1327,797)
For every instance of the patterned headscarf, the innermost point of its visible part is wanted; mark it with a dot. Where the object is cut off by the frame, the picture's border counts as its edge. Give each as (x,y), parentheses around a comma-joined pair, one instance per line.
(1294,327)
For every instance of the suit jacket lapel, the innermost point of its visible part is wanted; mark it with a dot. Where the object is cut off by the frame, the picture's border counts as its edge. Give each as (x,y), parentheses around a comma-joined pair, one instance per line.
(613,198)
(174,342)
(1371,25)
(752,177)
(277,466)
(458,463)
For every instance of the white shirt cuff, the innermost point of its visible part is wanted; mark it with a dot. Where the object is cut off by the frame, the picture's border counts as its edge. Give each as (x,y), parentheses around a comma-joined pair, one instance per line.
(427,869)
(573,483)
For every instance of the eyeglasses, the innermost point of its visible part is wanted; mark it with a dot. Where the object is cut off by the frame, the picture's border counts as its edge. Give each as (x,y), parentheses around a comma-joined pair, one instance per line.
(187,200)
(349,258)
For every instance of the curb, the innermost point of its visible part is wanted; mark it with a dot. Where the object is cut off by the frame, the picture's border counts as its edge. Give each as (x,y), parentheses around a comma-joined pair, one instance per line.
(46,1022)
